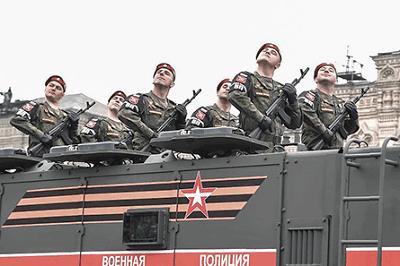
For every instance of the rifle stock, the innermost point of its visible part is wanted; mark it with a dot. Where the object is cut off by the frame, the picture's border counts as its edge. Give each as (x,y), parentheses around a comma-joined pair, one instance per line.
(274,108)
(172,117)
(334,126)
(57,131)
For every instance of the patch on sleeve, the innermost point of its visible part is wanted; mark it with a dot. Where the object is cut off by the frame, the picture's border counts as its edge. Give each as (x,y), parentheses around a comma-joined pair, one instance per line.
(133,99)
(310,96)
(28,106)
(200,115)
(241,78)
(238,86)
(241,82)
(310,103)
(92,123)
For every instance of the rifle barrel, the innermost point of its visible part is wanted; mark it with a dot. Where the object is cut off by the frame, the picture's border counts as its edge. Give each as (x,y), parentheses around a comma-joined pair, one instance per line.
(272,110)
(338,120)
(172,117)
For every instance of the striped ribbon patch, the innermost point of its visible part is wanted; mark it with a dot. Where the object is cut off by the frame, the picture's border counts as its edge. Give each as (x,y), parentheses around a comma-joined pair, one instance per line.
(107,203)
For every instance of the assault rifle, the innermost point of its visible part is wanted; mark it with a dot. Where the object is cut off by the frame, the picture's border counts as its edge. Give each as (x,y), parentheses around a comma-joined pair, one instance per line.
(127,141)
(276,108)
(334,126)
(172,117)
(57,131)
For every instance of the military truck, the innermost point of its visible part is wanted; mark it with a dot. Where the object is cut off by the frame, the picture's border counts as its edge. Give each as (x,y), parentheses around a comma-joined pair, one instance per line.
(231,206)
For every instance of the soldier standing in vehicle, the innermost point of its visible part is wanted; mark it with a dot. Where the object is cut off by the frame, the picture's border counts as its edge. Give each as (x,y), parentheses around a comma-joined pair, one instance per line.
(320,108)
(216,115)
(144,113)
(37,119)
(253,93)
(109,128)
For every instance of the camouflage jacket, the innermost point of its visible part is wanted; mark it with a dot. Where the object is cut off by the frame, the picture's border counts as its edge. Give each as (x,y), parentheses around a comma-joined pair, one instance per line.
(103,129)
(144,114)
(212,116)
(252,94)
(35,119)
(320,110)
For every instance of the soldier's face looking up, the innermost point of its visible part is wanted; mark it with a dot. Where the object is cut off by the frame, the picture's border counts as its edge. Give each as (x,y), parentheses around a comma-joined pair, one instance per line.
(326,74)
(115,103)
(270,56)
(164,77)
(223,91)
(54,91)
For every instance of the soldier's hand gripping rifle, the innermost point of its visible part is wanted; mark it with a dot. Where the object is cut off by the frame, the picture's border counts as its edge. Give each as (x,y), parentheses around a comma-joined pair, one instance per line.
(334,126)
(277,106)
(57,131)
(172,117)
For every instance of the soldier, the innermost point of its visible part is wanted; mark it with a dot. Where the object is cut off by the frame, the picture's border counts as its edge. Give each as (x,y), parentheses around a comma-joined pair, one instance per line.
(216,115)
(144,113)
(108,128)
(37,119)
(253,93)
(320,107)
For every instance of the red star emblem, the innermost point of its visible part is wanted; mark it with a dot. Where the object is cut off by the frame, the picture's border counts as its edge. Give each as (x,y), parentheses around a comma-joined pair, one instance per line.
(197,197)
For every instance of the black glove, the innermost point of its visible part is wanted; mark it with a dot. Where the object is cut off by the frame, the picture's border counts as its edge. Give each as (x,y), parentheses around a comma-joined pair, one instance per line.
(74,120)
(328,136)
(73,117)
(46,139)
(290,92)
(265,123)
(352,110)
(181,112)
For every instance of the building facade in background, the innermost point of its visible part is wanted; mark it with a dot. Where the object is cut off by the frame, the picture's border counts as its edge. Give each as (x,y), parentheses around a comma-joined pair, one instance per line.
(379,109)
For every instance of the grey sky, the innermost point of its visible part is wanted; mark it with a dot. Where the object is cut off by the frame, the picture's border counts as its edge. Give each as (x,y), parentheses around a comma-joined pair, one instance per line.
(100,46)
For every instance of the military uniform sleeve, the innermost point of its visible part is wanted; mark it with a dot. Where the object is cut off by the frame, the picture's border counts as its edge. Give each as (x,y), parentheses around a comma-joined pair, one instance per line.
(90,131)
(130,114)
(307,102)
(200,118)
(239,92)
(296,115)
(24,120)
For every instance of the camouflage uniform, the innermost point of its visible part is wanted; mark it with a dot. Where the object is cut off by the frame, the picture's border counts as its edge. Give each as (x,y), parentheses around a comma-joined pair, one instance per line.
(252,94)
(103,129)
(212,116)
(320,110)
(36,119)
(144,114)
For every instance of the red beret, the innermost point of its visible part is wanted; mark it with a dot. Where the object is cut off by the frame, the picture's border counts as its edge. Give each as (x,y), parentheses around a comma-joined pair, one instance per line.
(222,83)
(322,65)
(270,45)
(57,79)
(119,93)
(166,66)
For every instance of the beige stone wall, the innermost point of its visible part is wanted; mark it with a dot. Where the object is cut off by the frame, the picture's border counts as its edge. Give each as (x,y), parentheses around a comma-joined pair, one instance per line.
(379,110)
